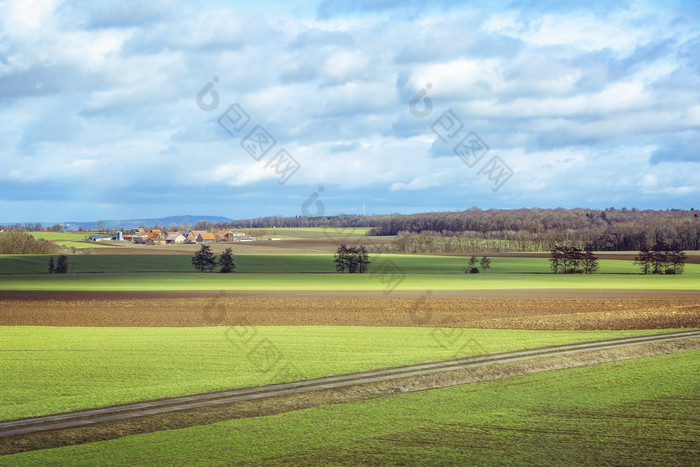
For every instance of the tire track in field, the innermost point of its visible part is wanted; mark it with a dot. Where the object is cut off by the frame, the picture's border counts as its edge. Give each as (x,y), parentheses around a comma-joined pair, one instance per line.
(147,408)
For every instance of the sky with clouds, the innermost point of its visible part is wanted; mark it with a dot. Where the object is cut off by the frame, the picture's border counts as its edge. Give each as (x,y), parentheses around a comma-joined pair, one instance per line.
(116,110)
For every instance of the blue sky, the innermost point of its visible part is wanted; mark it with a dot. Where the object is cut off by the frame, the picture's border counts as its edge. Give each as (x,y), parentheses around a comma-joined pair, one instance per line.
(114,110)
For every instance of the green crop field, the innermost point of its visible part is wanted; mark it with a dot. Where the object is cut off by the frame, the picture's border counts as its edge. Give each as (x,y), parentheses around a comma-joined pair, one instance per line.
(311,263)
(53,369)
(55,236)
(68,239)
(384,282)
(635,412)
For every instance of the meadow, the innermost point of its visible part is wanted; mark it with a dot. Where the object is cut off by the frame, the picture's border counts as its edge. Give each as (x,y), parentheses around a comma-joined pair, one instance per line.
(634,412)
(54,369)
(60,236)
(317,272)
(341,282)
(557,417)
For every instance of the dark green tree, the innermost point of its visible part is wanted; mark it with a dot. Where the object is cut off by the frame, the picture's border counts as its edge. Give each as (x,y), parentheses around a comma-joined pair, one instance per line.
(51,265)
(590,262)
(361,259)
(485,263)
(662,259)
(61,265)
(342,258)
(471,264)
(353,259)
(677,258)
(204,260)
(557,259)
(226,261)
(644,260)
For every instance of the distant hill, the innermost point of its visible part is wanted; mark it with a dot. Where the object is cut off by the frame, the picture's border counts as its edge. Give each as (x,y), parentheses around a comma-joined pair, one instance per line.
(131,223)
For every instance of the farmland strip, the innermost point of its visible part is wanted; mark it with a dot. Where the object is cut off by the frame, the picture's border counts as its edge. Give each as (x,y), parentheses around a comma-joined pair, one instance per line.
(142,409)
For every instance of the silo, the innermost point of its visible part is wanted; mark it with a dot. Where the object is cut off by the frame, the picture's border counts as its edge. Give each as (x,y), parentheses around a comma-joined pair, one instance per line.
(120,236)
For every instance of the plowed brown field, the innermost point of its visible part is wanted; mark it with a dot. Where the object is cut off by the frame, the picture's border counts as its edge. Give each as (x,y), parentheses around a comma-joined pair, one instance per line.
(583,310)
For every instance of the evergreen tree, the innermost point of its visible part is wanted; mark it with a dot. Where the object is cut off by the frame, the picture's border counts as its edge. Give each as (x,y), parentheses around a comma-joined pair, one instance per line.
(61,265)
(204,259)
(51,265)
(353,259)
(590,262)
(226,261)
(485,263)
(644,259)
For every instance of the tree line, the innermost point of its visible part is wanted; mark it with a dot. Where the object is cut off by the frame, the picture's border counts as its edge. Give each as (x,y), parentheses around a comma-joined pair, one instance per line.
(514,229)
(573,260)
(662,259)
(16,242)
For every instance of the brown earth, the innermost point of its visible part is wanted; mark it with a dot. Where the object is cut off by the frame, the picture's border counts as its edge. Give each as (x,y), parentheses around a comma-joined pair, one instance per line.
(503,309)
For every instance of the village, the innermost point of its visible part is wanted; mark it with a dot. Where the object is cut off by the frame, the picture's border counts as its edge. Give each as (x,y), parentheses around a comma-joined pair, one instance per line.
(160,237)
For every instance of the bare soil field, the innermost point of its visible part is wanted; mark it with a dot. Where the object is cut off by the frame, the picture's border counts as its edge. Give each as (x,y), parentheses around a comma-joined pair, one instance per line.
(501,309)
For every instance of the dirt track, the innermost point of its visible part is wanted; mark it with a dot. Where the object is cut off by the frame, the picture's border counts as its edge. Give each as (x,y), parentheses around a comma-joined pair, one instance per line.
(512,309)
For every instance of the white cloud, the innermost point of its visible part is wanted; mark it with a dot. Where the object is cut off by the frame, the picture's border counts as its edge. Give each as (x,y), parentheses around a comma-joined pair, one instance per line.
(554,94)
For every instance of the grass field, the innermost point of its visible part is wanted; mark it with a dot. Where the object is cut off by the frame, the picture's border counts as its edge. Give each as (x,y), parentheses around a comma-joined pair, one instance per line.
(53,369)
(383,282)
(636,412)
(312,263)
(57,236)
(68,239)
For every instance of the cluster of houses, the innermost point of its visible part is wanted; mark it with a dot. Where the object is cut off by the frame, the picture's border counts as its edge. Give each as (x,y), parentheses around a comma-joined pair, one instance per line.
(159,237)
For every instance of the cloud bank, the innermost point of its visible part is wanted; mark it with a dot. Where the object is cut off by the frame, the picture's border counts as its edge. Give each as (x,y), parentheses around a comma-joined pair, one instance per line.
(596,106)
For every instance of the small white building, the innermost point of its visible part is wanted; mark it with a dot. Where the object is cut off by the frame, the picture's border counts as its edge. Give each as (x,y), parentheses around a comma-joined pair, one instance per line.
(175,239)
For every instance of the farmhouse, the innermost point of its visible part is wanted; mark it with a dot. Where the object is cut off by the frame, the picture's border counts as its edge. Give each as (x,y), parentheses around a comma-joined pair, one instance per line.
(205,237)
(175,238)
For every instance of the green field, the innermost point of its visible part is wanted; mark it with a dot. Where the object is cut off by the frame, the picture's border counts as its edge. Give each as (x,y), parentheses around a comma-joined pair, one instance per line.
(68,239)
(636,412)
(316,272)
(383,282)
(57,236)
(54,369)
